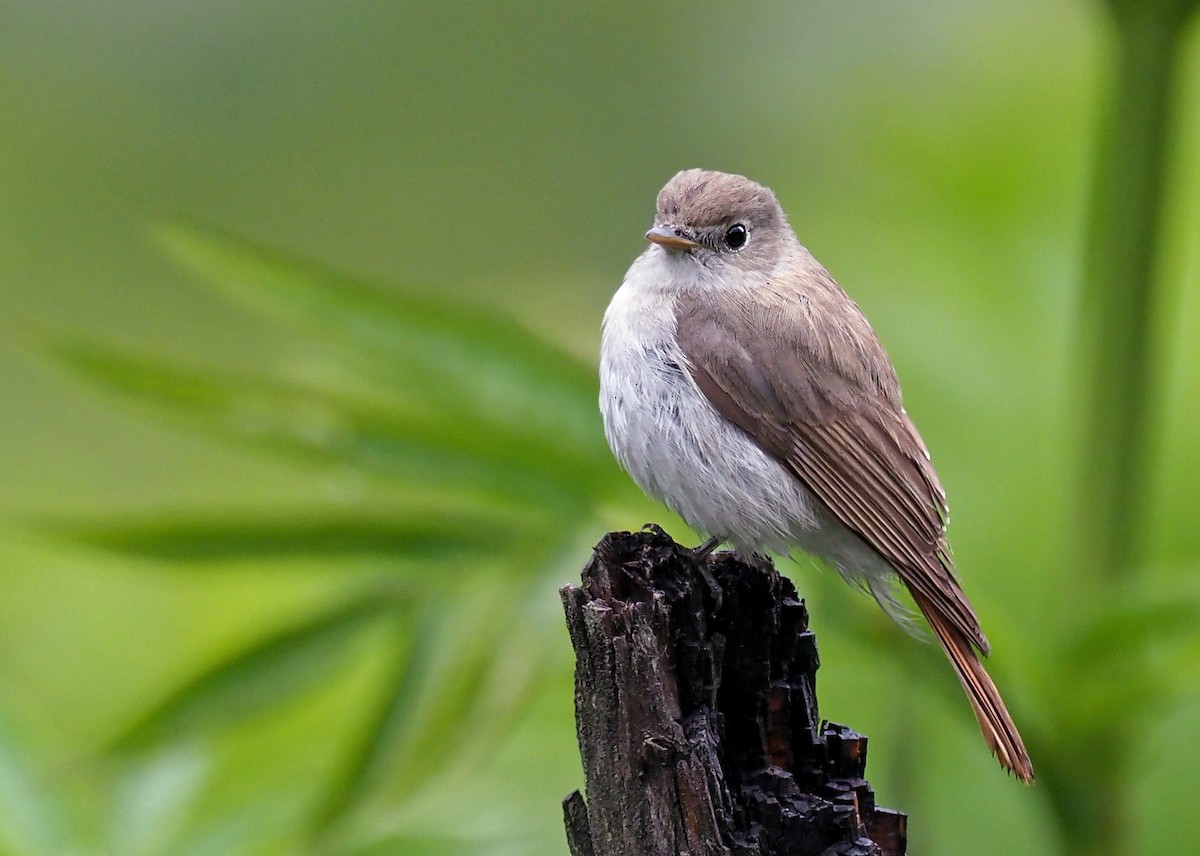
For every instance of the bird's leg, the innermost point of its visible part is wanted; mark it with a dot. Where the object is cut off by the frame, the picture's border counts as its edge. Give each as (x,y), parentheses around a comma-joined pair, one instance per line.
(701,554)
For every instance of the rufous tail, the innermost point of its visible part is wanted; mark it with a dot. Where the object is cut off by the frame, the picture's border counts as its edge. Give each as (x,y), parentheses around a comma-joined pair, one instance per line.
(999,730)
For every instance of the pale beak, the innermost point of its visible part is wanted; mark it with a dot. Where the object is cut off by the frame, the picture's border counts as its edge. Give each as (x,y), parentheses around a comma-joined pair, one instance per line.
(671,238)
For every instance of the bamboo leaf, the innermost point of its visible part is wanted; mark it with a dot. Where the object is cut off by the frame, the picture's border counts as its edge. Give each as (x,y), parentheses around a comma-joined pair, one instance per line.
(375,747)
(322,425)
(425,538)
(270,672)
(452,693)
(474,362)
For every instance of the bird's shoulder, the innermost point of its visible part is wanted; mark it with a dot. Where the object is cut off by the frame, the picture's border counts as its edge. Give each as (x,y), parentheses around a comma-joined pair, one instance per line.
(794,342)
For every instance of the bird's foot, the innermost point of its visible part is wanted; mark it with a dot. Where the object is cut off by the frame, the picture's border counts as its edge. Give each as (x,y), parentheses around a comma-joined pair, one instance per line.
(701,554)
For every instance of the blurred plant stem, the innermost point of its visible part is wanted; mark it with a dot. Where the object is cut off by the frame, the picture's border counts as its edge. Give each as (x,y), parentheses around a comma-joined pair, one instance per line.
(1117,304)
(1114,347)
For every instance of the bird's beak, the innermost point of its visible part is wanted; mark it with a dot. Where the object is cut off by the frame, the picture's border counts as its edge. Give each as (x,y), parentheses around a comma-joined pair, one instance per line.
(671,238)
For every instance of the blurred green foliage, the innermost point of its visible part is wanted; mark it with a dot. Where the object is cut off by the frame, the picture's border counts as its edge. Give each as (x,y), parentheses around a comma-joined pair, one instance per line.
(281,551)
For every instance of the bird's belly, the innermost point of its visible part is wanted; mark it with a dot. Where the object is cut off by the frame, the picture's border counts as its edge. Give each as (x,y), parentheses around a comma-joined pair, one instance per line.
(683,453)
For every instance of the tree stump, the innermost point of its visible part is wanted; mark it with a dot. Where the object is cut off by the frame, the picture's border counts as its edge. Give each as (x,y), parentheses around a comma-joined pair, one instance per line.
(696,710)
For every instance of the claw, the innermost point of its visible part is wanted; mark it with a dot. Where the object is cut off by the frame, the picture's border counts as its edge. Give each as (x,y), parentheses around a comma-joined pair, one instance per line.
(701,553)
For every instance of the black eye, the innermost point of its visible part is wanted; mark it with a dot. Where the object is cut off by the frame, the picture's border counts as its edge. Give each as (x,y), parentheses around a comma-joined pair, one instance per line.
(735,236)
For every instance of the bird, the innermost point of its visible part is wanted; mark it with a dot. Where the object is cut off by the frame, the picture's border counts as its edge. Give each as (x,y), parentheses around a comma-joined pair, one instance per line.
(741,387)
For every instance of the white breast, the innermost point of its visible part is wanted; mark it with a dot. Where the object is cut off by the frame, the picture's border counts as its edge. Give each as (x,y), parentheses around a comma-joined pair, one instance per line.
(673,443)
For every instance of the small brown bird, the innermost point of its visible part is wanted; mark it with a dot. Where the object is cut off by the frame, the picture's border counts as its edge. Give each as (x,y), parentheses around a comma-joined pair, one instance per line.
(744,389)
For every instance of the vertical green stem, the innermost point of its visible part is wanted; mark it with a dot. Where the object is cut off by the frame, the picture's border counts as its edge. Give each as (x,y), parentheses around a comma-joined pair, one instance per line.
(1114,348)
(1117,304)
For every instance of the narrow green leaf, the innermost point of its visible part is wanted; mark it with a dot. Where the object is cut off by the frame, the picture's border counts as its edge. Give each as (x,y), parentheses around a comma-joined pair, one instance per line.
(490,688)
(376,744)
(302,534)
(332,427)
(467,671)
(473,361)
(270,672)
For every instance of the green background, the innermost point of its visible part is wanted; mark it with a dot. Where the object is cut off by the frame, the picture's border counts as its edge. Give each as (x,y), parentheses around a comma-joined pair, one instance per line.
(937,157)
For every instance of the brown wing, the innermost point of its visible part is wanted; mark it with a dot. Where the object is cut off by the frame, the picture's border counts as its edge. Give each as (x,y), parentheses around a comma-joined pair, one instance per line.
(826,404)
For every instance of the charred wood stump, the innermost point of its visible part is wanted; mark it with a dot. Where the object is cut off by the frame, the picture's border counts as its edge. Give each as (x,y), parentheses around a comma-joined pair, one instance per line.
(696,711)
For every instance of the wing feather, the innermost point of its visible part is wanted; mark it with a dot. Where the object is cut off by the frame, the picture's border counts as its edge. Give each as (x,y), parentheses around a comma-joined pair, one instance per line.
(833,417)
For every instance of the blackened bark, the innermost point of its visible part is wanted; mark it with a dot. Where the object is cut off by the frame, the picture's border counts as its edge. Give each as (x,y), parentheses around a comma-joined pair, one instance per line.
(696,710)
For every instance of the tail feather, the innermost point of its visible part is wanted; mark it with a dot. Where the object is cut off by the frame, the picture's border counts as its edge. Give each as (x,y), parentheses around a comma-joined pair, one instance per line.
(999,731)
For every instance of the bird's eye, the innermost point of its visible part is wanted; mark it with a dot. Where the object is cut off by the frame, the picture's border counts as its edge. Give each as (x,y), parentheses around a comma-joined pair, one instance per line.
(735,236)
